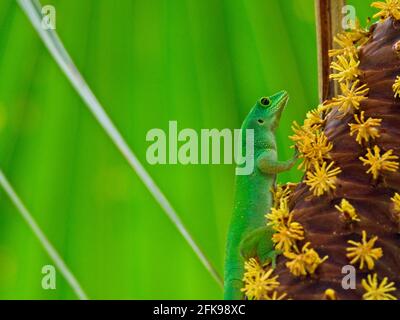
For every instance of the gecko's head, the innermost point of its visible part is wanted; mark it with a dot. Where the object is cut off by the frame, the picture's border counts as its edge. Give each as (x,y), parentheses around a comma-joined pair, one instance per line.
(266,113)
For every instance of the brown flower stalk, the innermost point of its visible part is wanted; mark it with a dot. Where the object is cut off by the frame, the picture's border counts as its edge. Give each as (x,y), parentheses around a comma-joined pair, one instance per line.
(372,196)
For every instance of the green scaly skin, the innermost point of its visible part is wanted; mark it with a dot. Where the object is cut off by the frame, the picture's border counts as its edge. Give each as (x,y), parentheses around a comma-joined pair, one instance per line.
(248,235)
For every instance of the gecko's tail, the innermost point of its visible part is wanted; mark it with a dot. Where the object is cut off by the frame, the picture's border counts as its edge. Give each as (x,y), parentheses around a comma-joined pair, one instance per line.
(232,289)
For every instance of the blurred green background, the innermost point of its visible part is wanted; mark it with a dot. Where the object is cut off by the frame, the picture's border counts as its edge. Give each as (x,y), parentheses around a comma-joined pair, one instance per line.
(202,63)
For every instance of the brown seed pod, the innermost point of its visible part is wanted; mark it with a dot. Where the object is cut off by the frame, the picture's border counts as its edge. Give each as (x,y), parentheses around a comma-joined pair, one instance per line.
(323,226)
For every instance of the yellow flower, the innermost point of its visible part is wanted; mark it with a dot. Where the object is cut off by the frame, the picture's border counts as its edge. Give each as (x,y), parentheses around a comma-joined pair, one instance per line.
(365,130)
(348,211)
(351,97)
(297,265)
(305,262)
(346,44)
(281,192)
(312,259)
(252,268)
(347,69)
(315,150)
(322,179)
(376,291)
(310,141)
(313,147)
(330,294)
(359,35)
(258,284)
(380,162)
(324,107)
(396,201)
(287,234)
(303,138)
(277,216)
(396,87)
(390,8)
(314,119)
(301,133)
(364,252)
(275,296)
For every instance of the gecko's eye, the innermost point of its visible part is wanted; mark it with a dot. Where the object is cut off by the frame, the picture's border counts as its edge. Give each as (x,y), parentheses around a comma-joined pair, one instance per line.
(265,102)
(260,121)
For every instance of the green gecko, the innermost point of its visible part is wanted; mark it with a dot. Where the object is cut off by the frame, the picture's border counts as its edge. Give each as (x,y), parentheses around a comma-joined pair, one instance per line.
(248,234)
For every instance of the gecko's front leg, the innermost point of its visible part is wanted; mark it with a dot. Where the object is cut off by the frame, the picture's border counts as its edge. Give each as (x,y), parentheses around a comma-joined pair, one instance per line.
(267,162)
(259,244)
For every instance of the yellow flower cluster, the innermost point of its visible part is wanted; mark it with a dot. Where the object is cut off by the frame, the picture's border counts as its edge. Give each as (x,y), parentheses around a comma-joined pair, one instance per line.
(396,206)
(353,94)
(280,192)
(348,212)
(364,252)
(259,283)
(365,129)
(396,202)
(351,98)
(310,139)
(346,68)
(279,214)
(396,87)
(275,296)
(323,178)
(314,118)
(380,162)
(358,34)
(347,74)
(378,291)
(330,294)
(305,262)
(253,268)
(314,148)
(389,8)
(287,234)
(346,46)
(349,41)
